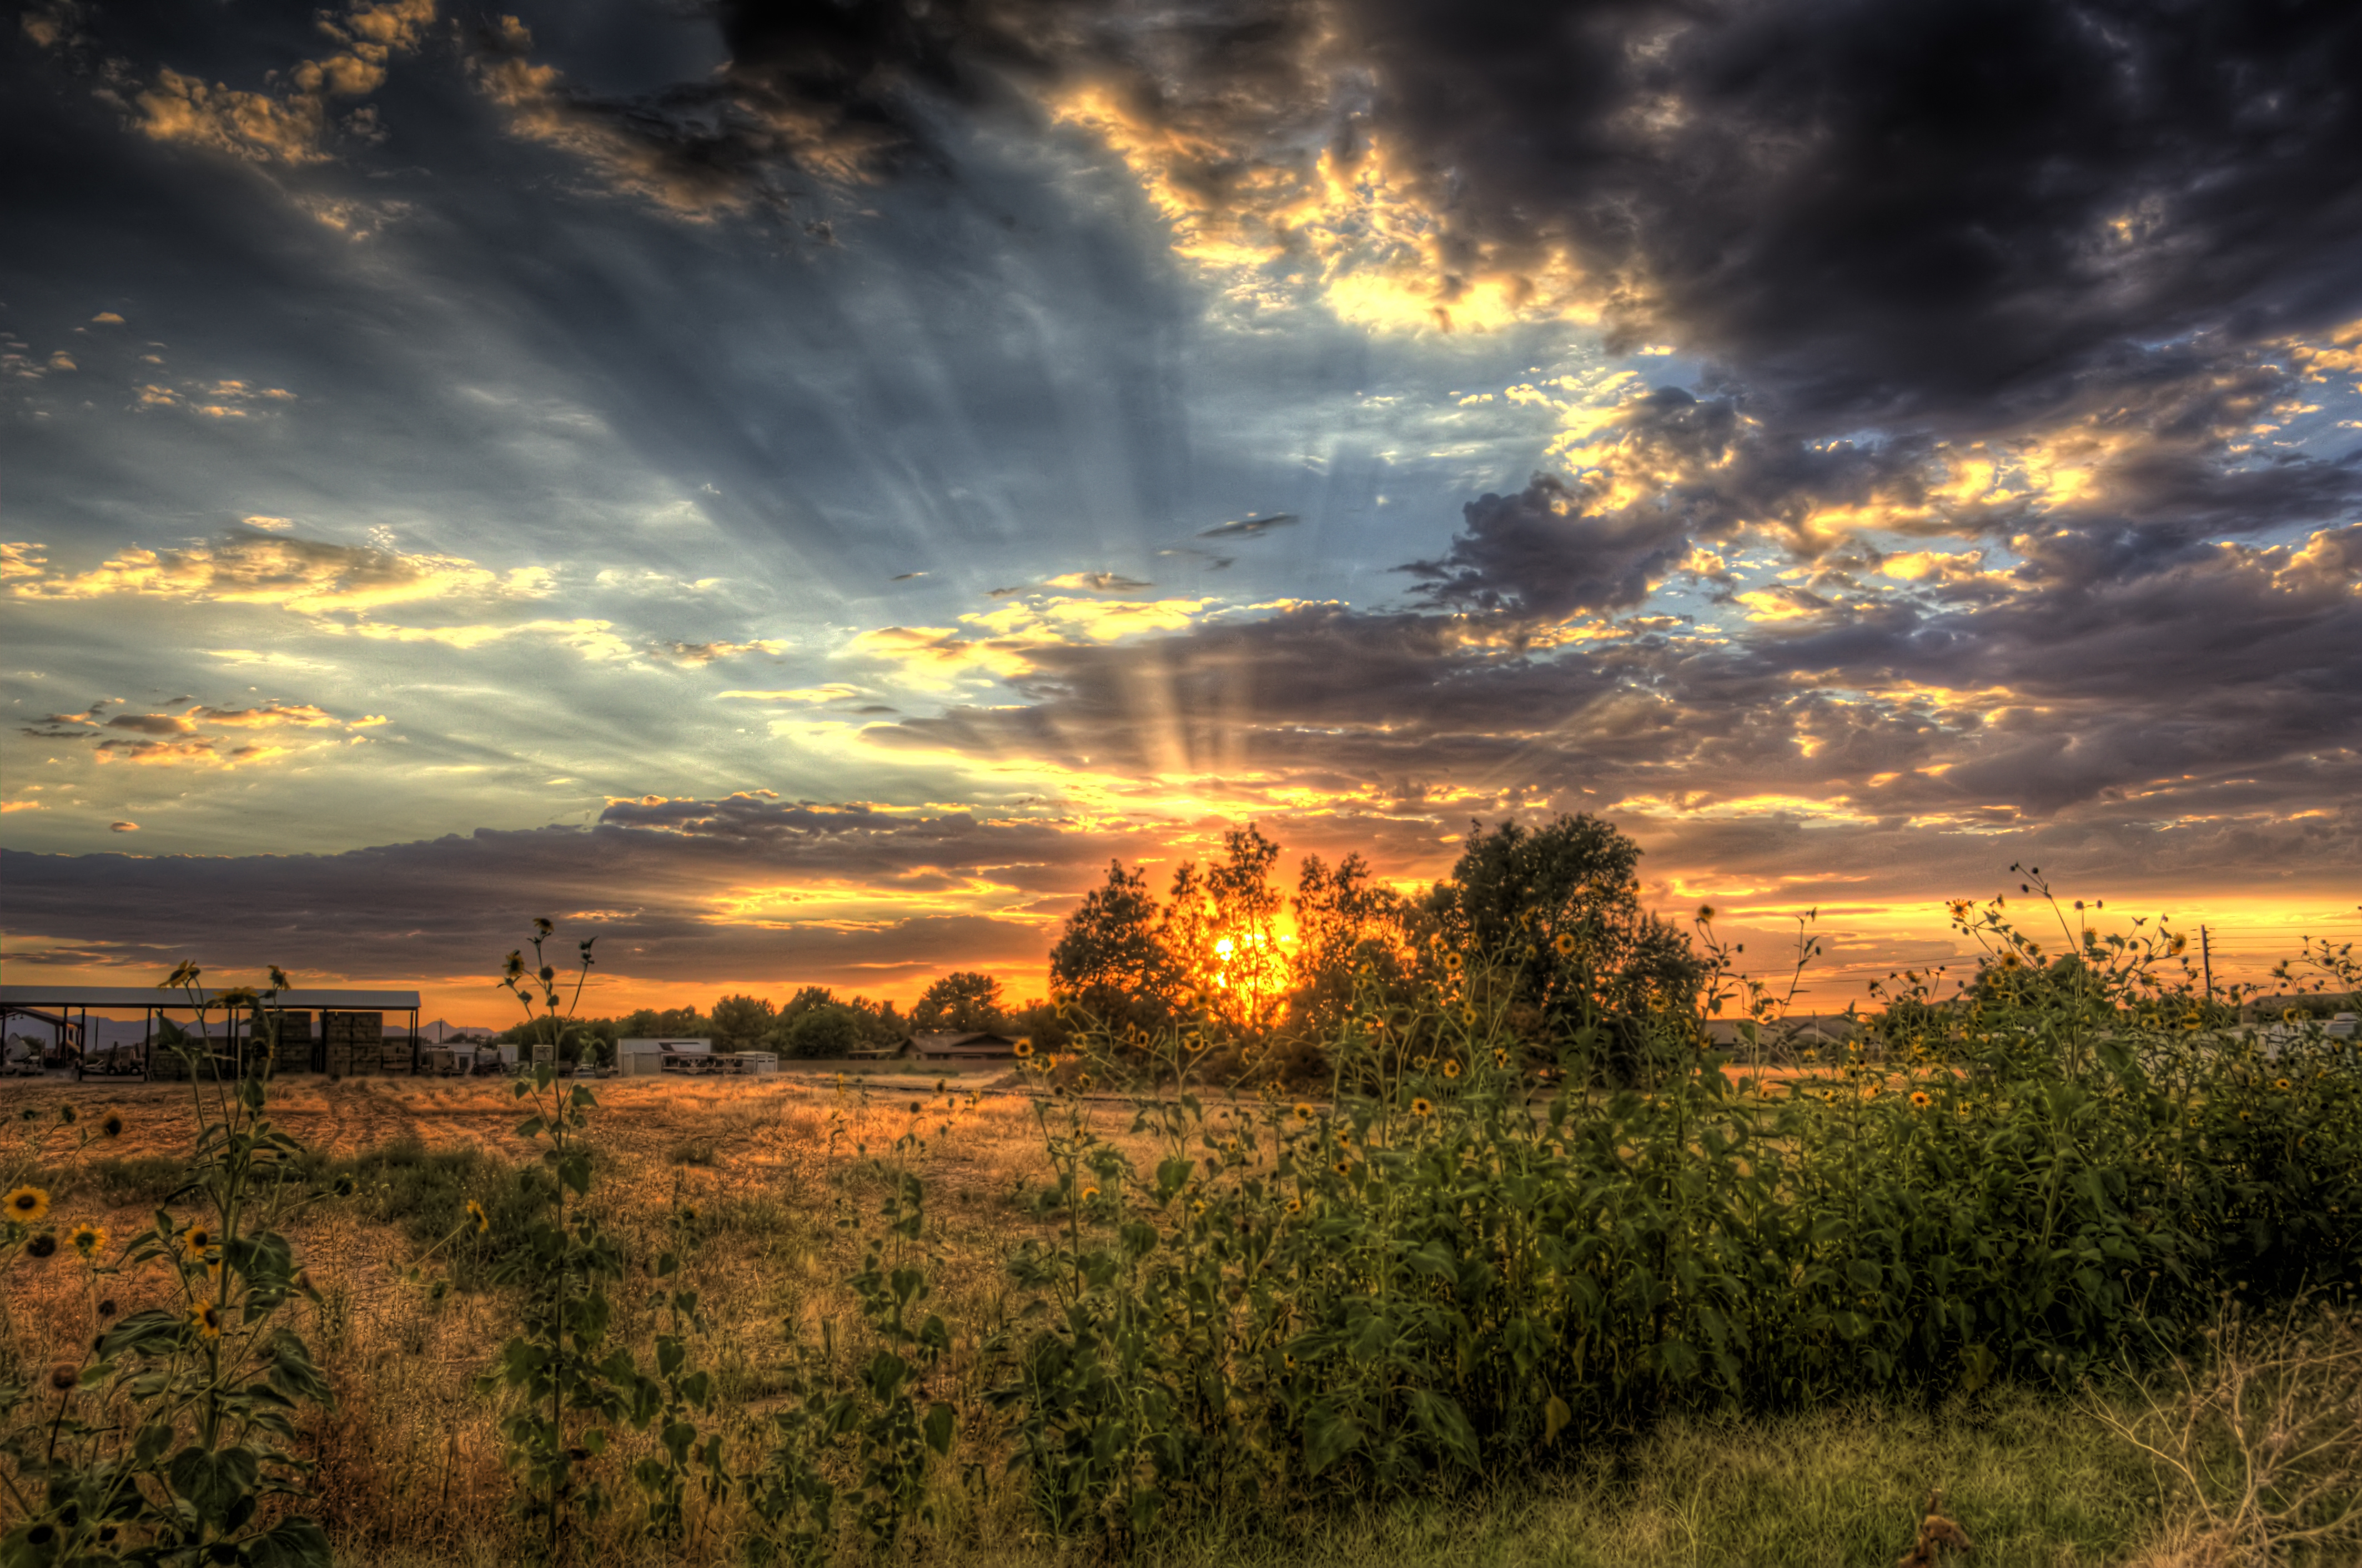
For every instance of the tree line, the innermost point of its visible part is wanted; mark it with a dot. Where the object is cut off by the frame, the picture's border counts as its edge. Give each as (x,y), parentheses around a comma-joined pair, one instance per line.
(815,1022)
(1542,928)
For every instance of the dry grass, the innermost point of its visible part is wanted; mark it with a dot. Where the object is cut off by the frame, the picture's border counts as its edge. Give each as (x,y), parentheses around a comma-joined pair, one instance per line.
(409,1472)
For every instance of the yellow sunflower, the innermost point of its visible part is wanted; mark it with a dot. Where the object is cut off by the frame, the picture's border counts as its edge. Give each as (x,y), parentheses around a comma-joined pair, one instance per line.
(1705,914)
(1090,1194)
(196,1243)
(1024,1048)
(87,1240)
(1564,945)
(27,1205)
(1303,1111)
(1296,1206)
(1921,1099)
(484,1221)
(1453,963)
(1421,1108)
(206,1319)
(1450,1067)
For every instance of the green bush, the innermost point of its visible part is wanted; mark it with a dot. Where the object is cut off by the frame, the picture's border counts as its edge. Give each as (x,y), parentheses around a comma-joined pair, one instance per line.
(1456,1267)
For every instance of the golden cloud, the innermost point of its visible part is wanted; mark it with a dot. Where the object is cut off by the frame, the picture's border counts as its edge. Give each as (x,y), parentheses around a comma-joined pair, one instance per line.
(303,576)
(706,653)
(301,714)
(1302,197)
(289,124)
(937,658)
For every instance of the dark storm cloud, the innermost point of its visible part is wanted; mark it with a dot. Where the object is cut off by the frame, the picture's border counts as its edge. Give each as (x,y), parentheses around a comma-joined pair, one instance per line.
(1960,213)
(1953,210)
(645,879)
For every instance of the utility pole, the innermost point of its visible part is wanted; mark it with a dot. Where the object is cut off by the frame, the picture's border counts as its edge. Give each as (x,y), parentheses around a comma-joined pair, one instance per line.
(2206,962)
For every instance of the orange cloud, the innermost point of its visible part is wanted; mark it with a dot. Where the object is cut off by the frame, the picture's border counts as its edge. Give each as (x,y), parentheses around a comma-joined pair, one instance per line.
(300,575)
(287,124)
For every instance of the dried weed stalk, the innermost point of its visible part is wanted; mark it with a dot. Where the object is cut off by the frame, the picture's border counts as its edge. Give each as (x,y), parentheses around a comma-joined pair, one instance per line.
(2262,1442)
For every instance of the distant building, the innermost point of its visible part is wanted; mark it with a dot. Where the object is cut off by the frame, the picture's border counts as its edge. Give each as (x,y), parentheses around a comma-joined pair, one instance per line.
(978,1045)
(1797,1031)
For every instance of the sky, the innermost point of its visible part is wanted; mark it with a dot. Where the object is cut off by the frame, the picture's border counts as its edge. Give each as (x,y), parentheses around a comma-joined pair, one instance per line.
(793,491)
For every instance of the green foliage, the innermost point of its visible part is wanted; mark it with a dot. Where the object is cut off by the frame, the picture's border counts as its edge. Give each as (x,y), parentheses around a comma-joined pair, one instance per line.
(1458,1266)
(959,1002)
(570,1387)
(1556,912)
(1108,957)
(860,1410)
(739,1022)
(171,1439)
(830,1029)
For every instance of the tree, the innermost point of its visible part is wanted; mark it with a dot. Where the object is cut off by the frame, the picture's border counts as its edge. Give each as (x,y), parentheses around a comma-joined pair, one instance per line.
(1108,947)
(830,1029)
(961,1002)
(739,1022)
(1220,930)
(1346,924)
(1558,908)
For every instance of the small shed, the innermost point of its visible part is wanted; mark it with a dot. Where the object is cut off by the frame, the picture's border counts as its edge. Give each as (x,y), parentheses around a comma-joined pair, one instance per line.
(976,1045)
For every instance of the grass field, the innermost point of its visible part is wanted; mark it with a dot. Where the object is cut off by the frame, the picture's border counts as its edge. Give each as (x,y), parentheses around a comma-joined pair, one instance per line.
(778,1175)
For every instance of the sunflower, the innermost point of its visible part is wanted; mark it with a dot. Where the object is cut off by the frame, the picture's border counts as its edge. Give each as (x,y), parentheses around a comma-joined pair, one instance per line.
(1024,1048)
(1090,1195)
(1704,914)
(1453,963)
(26,1206)
(1303,1111)
(1451,1068)
(87,1240)
(1531,953)
(2282,1085)
(1421,1108)
(206,1319)
(1195,1044)
(2290,1015)
(484,1221)
(1500,1056)
(196,1243)
(1921,1099)
(1564,945)
(1343,1168)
